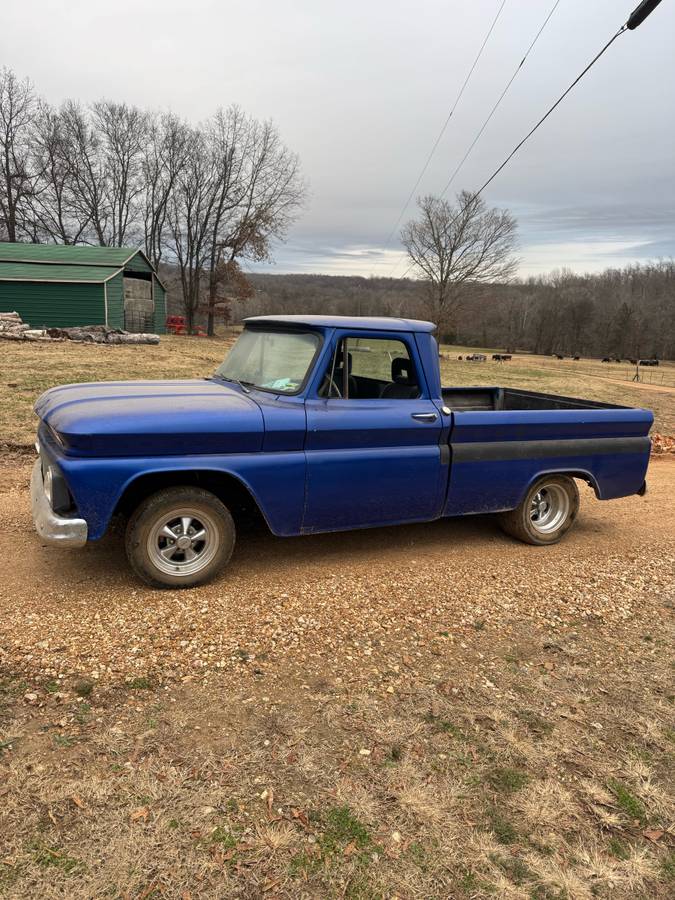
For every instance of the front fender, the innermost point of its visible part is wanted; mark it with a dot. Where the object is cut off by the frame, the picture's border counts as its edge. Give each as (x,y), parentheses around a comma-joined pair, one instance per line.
(276,481)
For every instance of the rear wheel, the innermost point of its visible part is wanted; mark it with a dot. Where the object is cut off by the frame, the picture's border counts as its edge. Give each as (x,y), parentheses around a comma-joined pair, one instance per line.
(180,537)
(546,513)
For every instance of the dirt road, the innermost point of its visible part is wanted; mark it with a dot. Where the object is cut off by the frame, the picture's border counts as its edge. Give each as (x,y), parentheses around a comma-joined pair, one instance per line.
(317,603)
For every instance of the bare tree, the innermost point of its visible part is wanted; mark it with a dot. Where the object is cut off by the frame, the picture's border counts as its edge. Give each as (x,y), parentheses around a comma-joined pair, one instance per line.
(189,217)
(89,176)
(122,131)
(260,193)
(55,213)
(17,107)
(454,247)
(164,158)
(239,189)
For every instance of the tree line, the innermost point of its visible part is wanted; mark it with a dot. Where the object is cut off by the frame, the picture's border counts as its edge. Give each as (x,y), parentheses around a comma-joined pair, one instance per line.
(202,196)
(626,312)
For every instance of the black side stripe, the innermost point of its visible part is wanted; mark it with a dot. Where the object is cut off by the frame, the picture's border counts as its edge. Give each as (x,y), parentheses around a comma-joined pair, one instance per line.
(483,451)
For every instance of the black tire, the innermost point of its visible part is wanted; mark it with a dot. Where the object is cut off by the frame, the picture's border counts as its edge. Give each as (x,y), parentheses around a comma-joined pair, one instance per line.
(210,532)
(558,500)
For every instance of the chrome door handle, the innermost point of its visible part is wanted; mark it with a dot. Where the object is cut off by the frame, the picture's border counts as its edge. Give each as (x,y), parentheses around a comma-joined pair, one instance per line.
(425,417)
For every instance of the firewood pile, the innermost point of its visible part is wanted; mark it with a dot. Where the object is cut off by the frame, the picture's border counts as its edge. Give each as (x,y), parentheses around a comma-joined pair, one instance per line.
(661,443)
(12,328)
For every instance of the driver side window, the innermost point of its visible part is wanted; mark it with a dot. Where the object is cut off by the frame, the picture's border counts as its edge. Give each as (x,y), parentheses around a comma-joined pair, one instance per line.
(376,368)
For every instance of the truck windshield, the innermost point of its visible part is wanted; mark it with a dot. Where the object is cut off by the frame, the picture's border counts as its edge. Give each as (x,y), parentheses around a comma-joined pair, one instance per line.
(272,360)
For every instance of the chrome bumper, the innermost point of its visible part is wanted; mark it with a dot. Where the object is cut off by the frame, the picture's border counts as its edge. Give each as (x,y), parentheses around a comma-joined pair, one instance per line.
(53,529)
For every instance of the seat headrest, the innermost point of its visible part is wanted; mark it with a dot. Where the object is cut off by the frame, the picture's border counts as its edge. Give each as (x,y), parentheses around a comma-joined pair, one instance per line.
(402,371)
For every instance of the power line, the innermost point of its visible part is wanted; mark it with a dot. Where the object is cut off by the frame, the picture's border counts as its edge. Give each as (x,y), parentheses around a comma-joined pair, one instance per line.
(445,125)
(550,110)
(500,98)
(639,14)
(490,114)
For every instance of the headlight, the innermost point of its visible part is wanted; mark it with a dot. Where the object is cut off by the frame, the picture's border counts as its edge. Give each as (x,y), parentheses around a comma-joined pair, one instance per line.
(48,481)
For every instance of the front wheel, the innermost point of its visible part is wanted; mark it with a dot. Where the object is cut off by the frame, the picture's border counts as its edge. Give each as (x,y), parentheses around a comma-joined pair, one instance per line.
(179,537)
(546,513)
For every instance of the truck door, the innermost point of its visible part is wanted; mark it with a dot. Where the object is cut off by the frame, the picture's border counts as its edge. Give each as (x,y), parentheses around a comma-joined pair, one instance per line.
(372,445)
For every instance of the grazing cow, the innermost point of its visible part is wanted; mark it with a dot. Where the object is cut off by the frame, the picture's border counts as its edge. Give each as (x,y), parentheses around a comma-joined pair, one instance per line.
(558,356)
(501,357)
(459,358)
(577,358)
(633,362)
(476,357)
(649,362)
(606,359)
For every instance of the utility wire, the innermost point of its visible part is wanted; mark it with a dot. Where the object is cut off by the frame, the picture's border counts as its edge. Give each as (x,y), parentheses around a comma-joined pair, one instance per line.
(499,99)
(445,125)
(485,123)
(639,14)
(550,110)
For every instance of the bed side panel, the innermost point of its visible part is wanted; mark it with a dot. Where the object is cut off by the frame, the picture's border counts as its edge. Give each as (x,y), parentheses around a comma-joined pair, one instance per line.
(497,456)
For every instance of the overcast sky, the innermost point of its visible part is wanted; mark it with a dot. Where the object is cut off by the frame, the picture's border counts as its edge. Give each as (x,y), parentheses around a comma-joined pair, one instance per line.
(360,91)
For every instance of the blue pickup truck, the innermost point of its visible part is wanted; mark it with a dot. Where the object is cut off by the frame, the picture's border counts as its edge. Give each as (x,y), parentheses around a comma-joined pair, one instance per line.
(318,423)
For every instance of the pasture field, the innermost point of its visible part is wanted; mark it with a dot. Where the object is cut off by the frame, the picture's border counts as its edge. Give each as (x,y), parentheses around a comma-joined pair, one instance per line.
(28,369)
(428,711)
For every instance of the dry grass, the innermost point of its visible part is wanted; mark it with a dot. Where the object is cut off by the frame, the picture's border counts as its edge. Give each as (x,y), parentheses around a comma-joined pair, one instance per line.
(209,791)
(591,379)
(26,370)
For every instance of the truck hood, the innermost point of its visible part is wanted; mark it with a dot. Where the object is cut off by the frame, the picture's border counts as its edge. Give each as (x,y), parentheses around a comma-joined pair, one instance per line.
(142,418)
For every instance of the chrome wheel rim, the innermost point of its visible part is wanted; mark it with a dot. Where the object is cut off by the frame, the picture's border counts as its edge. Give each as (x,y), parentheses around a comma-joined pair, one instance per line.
(549,508)
(183,542)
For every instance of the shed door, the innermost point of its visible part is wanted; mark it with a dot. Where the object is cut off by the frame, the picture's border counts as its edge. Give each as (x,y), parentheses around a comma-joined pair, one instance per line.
(139,305)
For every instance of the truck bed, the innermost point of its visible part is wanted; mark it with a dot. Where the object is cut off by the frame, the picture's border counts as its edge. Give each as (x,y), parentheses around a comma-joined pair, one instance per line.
(479,399)
(503,439)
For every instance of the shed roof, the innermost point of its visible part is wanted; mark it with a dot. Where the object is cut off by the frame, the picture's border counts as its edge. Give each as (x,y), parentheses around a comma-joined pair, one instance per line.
(65,262)
(67,254)
(20,271)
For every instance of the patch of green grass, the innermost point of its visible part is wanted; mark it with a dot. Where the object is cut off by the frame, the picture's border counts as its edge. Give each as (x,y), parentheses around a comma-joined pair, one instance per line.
(534,723)
(627,801)
(668,868)
(82,713)
(63,740)
(223,836)
(419,856)
(618,849)
(470,884)
(142,683)
(669,734)
(59,859)
(506,780)
(503,830)
(442,725)
(341,836)
(9,876)
(513,867)
(304,864)
(52,686)
(83,688)
(343,828)
(395,754)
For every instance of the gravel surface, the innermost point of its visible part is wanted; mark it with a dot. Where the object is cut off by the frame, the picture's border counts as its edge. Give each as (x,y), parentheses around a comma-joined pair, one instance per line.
(355,608)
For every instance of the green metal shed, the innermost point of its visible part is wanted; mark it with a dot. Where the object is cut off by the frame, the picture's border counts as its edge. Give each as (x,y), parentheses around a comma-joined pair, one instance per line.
(54,285)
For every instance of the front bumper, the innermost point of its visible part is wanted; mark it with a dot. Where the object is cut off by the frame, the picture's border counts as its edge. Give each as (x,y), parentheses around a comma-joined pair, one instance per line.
(53,529)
